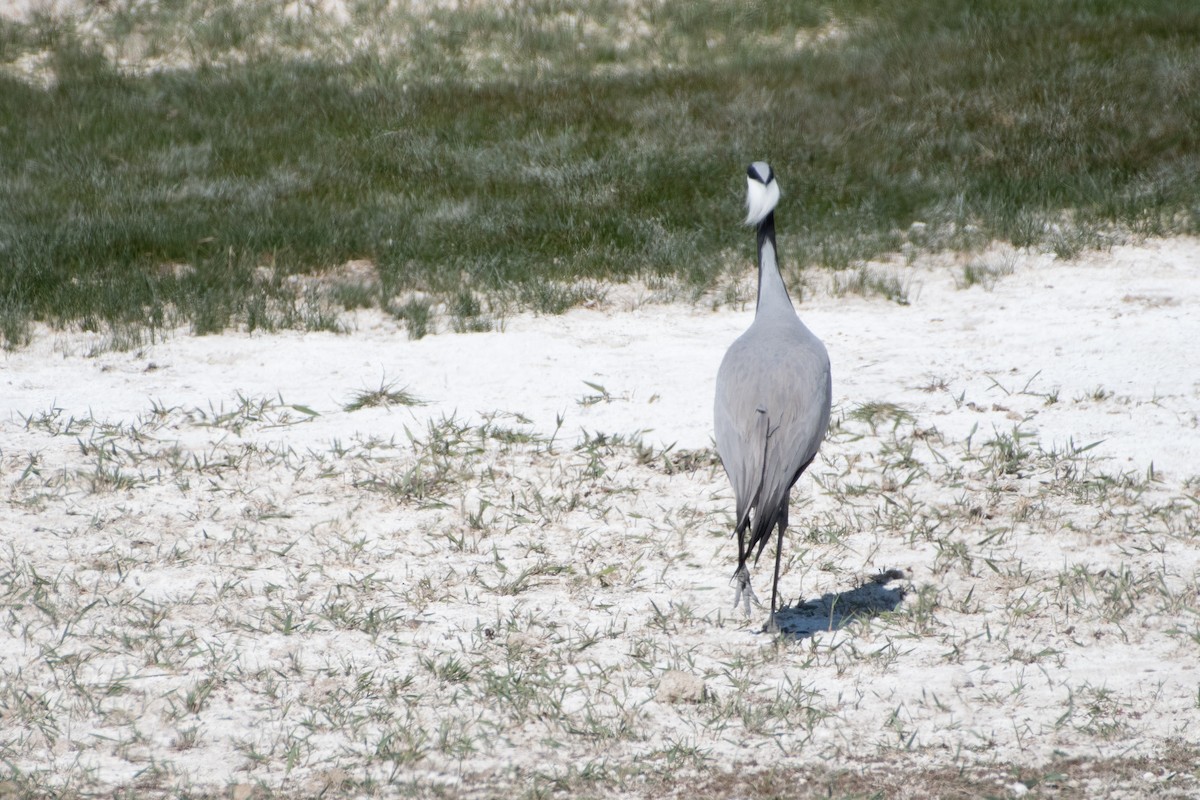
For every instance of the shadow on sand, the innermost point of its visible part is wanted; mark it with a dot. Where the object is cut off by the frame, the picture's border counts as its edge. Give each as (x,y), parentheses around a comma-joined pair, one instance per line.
(834,611)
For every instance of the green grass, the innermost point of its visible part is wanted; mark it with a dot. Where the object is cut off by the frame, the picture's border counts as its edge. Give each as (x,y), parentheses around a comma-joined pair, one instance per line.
(385,396)
(552,142)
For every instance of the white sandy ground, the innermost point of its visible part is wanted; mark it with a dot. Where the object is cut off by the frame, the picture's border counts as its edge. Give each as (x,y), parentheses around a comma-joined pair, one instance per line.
(194,601)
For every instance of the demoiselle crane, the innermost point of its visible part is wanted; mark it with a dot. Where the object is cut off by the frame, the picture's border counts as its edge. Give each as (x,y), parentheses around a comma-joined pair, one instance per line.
(772,406)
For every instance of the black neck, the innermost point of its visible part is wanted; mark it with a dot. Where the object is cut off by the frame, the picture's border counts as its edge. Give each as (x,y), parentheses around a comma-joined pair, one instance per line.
(766,232)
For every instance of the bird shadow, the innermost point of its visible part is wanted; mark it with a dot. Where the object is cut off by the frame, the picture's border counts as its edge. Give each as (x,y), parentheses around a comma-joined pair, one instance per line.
(832,612)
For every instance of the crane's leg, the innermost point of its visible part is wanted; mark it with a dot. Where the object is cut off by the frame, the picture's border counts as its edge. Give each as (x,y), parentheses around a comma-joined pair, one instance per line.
(743,594)
(772,626)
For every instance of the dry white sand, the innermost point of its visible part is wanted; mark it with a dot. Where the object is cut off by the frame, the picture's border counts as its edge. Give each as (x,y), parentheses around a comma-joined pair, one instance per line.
(199,594)
(1121,321)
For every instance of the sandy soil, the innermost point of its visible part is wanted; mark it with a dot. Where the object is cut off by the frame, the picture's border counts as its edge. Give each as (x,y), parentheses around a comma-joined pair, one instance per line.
(217,576)
(1118,321)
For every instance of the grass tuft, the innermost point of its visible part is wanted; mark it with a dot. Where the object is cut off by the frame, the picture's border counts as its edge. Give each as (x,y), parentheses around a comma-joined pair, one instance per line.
(386,395)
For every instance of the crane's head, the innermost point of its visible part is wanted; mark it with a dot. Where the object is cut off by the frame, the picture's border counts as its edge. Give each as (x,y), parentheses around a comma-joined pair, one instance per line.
(762,192)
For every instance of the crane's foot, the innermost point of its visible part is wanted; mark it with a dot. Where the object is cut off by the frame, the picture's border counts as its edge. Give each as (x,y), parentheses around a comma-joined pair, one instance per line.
(771,626)
(743,593)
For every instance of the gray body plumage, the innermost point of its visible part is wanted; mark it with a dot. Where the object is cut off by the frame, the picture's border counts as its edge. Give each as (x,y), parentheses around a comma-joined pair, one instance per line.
(772,403)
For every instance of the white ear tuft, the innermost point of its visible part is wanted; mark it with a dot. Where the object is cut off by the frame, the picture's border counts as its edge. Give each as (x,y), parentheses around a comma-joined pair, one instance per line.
(761,199)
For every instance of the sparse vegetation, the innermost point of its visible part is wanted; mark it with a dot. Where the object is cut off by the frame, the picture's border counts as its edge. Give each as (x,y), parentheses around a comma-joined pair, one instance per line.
(386,395)
(873,281)
(346,647)
(985,272)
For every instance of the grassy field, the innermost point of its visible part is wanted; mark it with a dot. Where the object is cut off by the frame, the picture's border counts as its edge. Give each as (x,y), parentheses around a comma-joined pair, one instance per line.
(180,163)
